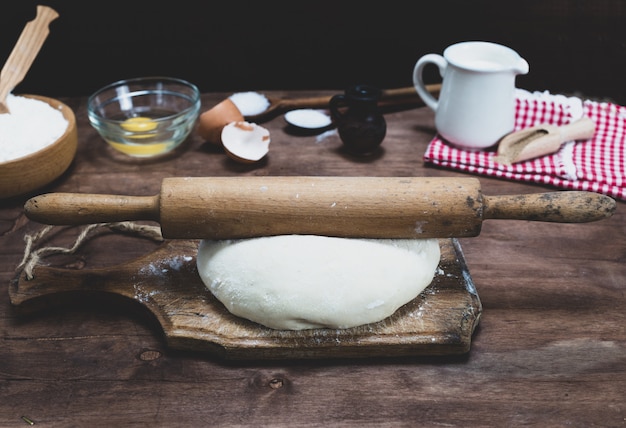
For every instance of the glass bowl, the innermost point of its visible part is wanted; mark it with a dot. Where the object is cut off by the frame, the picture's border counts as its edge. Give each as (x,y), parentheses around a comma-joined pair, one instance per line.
(146,116)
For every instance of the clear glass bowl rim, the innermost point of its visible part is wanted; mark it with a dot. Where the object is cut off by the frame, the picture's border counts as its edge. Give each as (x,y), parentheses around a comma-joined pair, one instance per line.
(194,107)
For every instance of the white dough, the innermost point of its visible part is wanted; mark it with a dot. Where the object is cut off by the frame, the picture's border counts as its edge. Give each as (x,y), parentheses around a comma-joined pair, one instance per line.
(295,282)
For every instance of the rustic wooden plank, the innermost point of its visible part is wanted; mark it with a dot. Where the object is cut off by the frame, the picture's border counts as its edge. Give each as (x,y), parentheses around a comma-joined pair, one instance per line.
(550,349)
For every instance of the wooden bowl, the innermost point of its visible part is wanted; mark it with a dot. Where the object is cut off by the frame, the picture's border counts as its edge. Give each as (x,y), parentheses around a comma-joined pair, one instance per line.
(28,173)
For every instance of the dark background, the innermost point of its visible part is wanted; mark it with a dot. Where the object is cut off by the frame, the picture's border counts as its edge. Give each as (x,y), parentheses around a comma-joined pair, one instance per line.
(573,47)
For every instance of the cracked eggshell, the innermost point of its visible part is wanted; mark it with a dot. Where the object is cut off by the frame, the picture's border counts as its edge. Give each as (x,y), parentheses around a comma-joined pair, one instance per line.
(245,142)
(214,120)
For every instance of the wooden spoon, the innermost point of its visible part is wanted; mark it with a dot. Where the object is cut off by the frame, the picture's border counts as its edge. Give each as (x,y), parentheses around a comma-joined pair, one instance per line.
(24,52)
(541,140)
(389,97)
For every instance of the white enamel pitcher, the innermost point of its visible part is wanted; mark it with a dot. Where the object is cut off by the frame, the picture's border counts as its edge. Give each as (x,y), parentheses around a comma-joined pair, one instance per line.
(476,104)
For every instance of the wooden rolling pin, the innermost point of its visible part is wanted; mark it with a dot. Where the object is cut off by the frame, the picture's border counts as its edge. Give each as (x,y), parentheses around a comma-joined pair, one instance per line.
(363,207)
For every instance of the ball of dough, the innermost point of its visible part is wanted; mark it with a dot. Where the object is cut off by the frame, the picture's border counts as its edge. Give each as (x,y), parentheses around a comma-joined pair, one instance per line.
(295,282)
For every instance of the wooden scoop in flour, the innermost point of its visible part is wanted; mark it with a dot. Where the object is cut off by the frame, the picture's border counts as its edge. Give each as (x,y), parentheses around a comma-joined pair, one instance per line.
(24,52)
(363,207)
(541,140)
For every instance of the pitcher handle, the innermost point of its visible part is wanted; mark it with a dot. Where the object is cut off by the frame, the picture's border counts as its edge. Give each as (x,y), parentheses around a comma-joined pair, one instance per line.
(418,80)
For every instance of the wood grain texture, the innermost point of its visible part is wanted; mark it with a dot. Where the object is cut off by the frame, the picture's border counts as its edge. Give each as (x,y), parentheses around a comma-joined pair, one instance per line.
(440,321)
(353,207)
(550,349)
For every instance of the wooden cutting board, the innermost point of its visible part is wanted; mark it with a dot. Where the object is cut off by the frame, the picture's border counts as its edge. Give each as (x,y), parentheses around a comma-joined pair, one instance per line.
(440,321)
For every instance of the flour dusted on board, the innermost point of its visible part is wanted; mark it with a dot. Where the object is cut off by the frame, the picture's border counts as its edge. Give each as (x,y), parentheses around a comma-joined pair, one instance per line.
(30,126)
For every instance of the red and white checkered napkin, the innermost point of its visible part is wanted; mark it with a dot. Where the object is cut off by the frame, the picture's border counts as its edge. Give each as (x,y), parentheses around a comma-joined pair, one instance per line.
(596,165)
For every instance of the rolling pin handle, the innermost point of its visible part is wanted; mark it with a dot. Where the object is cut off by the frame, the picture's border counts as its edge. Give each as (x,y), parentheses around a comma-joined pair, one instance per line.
(77,209)
(559,207)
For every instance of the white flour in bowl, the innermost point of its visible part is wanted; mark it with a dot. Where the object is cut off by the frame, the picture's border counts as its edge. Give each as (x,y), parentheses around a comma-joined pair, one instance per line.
(29,126)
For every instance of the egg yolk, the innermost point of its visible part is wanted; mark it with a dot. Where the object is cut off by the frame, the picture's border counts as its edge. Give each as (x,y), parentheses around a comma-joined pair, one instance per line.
(139,124)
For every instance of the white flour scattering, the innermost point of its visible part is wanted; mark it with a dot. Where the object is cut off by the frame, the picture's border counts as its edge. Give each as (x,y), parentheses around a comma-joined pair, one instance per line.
(29,126)
(250,103)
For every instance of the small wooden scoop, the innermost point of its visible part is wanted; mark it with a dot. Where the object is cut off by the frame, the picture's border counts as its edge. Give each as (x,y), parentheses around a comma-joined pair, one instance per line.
(24,52)
(389,97)
(541,140)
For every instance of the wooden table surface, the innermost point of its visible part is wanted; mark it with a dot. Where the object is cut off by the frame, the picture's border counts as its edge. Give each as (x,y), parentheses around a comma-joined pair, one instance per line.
(550,349)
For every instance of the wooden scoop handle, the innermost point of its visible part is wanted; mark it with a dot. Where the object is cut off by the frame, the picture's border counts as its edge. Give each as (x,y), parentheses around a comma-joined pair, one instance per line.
(364,207)
(24,52)
(581,129)
(389,97)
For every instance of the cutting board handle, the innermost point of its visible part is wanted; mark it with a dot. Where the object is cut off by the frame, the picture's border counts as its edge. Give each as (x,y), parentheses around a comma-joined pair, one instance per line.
(167,284)
(174,258)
